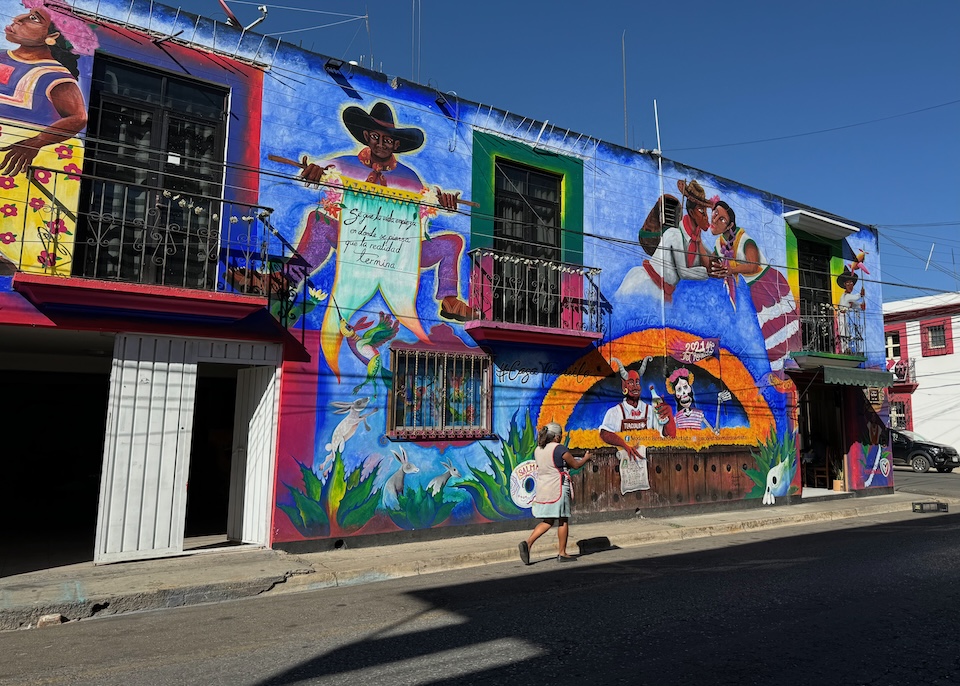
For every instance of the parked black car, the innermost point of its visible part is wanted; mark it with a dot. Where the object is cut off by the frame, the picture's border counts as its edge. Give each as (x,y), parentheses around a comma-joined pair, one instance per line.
(912,449)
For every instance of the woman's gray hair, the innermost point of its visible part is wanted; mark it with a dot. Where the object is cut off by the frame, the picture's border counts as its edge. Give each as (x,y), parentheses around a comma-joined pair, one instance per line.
(548,433)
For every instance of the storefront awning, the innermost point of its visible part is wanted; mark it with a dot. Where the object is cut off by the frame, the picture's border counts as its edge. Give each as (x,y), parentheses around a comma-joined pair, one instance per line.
(866,378)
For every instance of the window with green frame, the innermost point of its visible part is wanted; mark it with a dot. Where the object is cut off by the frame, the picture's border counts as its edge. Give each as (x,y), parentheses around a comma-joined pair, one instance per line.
(531,220)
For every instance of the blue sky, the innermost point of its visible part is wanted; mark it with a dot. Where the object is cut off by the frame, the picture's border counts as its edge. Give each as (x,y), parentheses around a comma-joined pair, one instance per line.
(879,80)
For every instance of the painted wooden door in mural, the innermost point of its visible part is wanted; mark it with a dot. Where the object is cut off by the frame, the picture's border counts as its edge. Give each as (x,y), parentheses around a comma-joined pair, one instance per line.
(147,447)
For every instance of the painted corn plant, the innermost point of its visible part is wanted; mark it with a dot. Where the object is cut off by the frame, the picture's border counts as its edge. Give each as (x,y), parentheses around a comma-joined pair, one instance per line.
(776,459)
(490,490)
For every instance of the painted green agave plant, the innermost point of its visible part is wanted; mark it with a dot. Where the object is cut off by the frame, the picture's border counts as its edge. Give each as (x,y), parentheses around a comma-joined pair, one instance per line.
(770,453)
(491,491)
(360,500)
(308,513)
(420,509)
(342,505)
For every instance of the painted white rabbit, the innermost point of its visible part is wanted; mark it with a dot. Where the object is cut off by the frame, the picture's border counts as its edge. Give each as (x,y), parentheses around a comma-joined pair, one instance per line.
(395,483)
(438,482)
(343,431)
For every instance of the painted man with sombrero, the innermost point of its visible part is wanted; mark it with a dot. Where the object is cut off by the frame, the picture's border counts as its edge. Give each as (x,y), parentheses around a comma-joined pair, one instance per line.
(376,163)
(681,254)
(849,314)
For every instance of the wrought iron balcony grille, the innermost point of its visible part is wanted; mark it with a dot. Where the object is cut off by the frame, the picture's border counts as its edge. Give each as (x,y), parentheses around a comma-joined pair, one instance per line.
(832,329)
(140,234)
(532,291)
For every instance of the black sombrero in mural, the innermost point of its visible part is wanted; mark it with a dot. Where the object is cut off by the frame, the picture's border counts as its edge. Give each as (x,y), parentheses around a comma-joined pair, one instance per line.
(847,275)
(357,120)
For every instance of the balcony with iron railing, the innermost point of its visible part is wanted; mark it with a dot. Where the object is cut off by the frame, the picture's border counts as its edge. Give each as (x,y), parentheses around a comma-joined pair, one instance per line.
(182,249)
(516,298)
(831,333)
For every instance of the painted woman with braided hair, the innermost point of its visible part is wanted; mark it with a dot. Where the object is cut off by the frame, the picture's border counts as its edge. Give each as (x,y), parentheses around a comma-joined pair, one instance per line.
(42,110)
(737,254)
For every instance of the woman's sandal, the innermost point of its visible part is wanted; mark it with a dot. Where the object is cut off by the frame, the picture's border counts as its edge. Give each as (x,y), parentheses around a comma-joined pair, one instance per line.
(566,558)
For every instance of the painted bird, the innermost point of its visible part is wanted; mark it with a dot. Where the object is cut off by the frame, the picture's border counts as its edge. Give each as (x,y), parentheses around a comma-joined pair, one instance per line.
(366,346)
(858,262)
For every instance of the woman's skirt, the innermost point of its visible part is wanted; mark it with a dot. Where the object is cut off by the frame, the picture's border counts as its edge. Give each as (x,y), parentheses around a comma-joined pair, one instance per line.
(561,508)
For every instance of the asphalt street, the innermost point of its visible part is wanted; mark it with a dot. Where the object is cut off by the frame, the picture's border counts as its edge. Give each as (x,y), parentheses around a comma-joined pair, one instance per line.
(931,483)
(869,600)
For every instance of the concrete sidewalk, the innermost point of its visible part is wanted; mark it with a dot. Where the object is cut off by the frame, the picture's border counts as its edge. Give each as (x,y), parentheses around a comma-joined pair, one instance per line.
(83,590)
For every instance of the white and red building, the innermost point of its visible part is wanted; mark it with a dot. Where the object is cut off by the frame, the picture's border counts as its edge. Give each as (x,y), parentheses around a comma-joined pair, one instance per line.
(919,335)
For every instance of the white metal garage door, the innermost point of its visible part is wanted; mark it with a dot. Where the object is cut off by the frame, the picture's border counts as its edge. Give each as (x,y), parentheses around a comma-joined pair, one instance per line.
(148,439)
(146,449)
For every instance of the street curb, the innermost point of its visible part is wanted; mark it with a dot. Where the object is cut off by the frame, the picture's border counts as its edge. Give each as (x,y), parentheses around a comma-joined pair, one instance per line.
(304,574)
(326,578)
(112,604)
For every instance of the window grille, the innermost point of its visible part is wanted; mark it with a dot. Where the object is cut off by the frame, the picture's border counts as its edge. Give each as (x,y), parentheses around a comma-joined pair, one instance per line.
(440,395)
(937,336)
(898,415)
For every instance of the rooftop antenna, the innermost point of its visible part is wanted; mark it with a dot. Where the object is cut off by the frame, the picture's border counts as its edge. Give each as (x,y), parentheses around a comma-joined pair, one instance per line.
(663,295)
(656,121)
(623,47)
(235,23)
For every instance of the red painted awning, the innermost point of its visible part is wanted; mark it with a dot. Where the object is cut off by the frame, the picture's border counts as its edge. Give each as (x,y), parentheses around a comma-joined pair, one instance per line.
(42,290)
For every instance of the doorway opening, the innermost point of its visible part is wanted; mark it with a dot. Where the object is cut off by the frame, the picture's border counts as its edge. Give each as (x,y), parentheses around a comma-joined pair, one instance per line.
(52,459)
(821,438)
(208,480)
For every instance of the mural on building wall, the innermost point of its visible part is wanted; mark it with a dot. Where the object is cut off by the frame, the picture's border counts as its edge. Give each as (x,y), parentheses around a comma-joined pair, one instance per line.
(850,308)
(867,462)
(42,114)
(703,317)
(382,236)
(374,215)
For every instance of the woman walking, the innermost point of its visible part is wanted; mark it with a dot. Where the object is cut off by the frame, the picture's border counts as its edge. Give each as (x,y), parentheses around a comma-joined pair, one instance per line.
(553,494)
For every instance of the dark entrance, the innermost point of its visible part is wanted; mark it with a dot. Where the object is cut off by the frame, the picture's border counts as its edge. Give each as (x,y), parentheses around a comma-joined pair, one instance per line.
(208,483)
(52,455)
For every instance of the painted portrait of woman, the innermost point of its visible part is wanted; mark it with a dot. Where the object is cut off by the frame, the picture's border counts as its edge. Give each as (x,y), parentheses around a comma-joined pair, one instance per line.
(42,113)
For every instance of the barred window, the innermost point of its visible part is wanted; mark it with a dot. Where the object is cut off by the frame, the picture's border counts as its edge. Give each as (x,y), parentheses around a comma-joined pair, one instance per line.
(937,337)
(440,395)
(898,415)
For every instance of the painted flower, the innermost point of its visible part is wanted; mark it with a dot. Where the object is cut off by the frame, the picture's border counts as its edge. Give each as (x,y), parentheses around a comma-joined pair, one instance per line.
(428,209)
(7,182)
(64,152)
(73,171)
(8,210)
(37,204)
(331,176)
(47,259)
(8,238)
(57,227)
(332,201)
(42,175)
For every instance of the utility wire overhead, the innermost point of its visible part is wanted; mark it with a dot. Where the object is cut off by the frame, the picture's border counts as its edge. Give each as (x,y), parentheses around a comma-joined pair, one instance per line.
(818,131)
